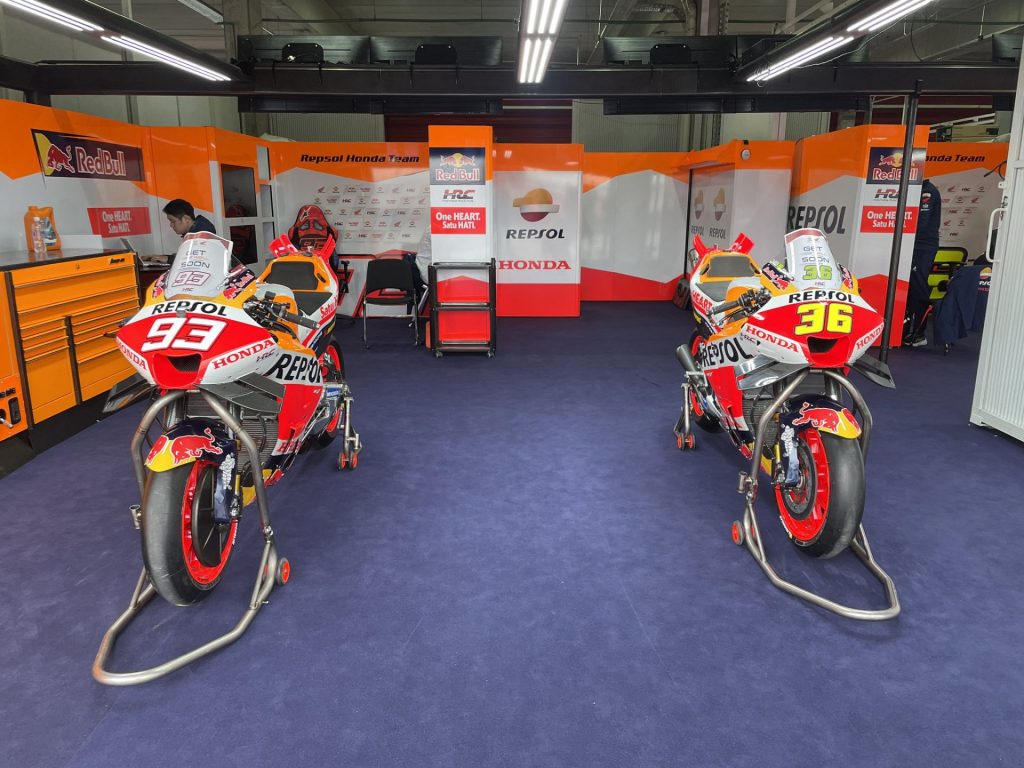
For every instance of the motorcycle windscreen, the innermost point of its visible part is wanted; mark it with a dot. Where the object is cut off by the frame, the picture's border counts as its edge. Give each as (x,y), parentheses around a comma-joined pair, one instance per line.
(810,261)
(200,266)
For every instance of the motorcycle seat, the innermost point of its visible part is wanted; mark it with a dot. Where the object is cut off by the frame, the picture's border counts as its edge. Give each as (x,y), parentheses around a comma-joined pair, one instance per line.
(309,302)
(297,275)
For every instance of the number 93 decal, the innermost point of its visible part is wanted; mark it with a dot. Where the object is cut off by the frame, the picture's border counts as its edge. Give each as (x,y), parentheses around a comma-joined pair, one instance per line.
(817,317)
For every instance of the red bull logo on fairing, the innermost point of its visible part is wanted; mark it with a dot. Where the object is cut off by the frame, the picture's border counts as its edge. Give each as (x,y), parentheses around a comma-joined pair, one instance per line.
(837,422)
(172,452)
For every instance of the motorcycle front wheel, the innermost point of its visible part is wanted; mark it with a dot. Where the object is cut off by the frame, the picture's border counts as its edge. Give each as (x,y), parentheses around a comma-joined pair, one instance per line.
(823,512)
(333,368)
(184,549)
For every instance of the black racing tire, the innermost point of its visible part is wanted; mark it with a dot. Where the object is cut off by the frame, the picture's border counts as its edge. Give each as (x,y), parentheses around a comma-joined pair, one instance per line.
(704,420)
(823,516)
(184,568)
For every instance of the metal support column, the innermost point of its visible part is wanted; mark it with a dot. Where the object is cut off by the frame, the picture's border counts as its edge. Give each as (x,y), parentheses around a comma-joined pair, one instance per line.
(901,208)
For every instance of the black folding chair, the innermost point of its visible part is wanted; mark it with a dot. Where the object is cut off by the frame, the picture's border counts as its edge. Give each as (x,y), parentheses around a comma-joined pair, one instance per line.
(389,283)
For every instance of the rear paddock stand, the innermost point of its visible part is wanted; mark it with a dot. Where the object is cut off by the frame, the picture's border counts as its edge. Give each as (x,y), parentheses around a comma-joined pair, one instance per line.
(273,568)
(747,533)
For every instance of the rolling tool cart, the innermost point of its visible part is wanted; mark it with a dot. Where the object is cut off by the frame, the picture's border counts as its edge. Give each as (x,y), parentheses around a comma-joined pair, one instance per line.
(468,330)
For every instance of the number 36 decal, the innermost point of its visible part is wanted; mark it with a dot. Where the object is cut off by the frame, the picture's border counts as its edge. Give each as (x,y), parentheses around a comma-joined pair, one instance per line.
(195,333)
(834,318)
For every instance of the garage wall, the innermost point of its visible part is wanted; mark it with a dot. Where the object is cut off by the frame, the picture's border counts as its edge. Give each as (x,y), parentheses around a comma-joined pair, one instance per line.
(598,132)
(319,127)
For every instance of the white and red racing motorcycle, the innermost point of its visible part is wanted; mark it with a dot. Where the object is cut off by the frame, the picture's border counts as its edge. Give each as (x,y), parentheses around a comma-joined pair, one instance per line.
(244,375)
(768,363)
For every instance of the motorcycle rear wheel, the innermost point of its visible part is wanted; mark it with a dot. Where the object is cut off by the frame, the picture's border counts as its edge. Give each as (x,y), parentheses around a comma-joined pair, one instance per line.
(185,551)
(334,371)
(823,514)
(704,420)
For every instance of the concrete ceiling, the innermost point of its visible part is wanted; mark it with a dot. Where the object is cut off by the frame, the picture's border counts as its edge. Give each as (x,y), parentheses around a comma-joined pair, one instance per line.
(947,29)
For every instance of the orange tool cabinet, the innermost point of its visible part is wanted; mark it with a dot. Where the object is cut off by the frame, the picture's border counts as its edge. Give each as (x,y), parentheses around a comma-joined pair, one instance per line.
(57,314)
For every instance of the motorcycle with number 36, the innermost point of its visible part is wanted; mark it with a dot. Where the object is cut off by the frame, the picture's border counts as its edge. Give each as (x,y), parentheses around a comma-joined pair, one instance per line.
(244,375)
(769,364)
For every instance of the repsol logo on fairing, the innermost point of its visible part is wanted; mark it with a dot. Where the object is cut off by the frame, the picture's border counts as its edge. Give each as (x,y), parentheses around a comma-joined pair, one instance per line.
(291,367)
(204,307)
(722,352)
(535,234)
(524,264)
(820,295)
(830,219)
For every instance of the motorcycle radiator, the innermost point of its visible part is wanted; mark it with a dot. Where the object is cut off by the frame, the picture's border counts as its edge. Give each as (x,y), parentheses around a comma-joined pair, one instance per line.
(261,427)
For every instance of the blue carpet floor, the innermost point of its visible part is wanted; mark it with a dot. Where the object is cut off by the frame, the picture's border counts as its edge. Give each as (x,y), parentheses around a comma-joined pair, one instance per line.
(524,571)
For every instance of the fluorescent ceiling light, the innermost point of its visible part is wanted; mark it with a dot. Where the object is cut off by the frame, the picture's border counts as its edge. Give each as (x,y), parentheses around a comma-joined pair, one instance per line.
(167,58)
(887,15)
(556,17)
(545,57)
(50,13)
(897,14)
(531,71)
(204,10)
(800,57)
(524,59)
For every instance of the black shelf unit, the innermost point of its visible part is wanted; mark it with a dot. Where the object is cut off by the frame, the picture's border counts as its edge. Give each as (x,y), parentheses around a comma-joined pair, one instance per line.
(490,306)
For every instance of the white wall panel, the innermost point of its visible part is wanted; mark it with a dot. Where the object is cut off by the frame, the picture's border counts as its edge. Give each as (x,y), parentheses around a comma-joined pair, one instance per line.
(324,127)
(598,132)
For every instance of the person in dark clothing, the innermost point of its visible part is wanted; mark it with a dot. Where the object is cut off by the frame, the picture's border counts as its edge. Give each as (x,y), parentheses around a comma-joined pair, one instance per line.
(183,220)
(926,243)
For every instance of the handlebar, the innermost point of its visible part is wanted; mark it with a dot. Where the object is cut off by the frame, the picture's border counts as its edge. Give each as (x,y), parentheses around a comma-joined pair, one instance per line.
(270,309)
(749,302)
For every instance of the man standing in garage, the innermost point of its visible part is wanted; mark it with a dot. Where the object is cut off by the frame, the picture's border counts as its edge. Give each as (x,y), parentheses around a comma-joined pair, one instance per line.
(926,243)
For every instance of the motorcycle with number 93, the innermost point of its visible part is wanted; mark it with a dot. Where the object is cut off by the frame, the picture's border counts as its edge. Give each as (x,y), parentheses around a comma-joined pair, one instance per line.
(244,375)
(769,364)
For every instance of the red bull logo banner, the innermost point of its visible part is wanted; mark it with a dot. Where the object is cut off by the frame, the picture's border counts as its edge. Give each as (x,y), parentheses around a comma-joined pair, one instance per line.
(457,166)
(68,156)
(885,165)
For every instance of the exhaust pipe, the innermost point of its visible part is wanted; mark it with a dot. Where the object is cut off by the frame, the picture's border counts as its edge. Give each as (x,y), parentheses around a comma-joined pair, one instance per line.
(686,360)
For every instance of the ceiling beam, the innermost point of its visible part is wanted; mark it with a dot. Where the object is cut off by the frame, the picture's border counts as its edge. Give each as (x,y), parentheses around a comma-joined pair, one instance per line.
(83,78)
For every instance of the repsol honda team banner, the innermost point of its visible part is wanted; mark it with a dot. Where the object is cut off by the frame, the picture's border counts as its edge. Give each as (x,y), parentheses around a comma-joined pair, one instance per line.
(537,192)
(64,155)
(375,194)
(967,176)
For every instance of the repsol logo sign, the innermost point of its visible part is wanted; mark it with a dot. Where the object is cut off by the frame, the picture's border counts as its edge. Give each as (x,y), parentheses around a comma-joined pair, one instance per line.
(298,368)
(523,264)
(535,234)
(722,352)
(830,219)
(203,307)
(820,295)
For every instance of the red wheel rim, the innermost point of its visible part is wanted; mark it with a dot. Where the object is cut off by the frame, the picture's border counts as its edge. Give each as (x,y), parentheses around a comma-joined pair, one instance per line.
(735,533)
(286,571)
(695,405)
(332,353)
(812,499)
(201,572)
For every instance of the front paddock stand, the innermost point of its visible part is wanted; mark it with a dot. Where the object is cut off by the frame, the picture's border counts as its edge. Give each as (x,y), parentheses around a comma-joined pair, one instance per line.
(747,532)
(273,568)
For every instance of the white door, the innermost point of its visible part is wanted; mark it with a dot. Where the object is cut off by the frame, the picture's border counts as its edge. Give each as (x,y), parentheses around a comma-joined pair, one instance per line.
(999,389)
